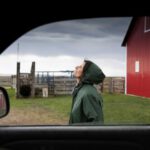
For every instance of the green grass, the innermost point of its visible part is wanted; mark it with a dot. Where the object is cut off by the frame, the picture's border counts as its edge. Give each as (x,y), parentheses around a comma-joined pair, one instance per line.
(61,104)
(117,108)
(123,109)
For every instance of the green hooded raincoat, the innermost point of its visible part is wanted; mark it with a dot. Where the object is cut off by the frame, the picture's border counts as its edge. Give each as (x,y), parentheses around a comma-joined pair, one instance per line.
(87,102)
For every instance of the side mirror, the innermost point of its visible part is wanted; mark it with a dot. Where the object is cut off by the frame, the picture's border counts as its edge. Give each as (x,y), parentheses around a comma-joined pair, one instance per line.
(4,102)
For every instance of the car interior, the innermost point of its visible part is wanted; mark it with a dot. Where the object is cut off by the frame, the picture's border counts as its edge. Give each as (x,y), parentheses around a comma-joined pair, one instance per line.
(51,137)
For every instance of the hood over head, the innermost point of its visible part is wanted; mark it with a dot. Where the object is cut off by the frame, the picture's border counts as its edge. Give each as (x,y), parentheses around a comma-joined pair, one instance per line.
(92,74)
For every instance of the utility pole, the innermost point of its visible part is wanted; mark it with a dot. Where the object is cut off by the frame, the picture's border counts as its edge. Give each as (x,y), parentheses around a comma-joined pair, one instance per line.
(18,51)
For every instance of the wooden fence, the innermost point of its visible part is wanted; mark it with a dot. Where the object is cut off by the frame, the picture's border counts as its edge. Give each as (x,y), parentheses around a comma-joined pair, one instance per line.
(59,85)
(113,85)
(5,81)
(64,85)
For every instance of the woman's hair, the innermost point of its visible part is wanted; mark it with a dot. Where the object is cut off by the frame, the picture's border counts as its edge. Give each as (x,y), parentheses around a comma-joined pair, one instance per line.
(86,66)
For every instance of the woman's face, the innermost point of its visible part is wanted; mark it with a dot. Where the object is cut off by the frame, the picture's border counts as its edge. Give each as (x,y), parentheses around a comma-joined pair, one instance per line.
(79,70)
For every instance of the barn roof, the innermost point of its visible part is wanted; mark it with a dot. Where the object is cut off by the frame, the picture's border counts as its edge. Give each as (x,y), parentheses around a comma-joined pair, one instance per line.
(131,26)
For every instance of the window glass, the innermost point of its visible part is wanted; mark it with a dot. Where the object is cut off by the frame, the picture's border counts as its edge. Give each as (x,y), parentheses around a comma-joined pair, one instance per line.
(38,72)
(147,24)
(137,66)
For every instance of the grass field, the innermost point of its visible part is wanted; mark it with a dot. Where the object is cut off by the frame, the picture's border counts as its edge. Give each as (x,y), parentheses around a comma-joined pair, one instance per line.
(118,109)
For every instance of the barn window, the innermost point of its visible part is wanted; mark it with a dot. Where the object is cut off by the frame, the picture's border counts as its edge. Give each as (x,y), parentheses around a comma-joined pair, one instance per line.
(137,66)
(147,24)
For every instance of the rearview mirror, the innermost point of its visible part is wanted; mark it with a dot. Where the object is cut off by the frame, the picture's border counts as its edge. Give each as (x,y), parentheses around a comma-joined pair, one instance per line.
(4,102)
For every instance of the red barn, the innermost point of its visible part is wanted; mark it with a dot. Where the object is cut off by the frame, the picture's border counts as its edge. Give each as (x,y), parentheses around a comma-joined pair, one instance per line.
(137,41)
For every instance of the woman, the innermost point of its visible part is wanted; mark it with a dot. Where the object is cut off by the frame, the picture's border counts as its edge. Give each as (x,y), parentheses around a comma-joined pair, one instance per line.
(87,102)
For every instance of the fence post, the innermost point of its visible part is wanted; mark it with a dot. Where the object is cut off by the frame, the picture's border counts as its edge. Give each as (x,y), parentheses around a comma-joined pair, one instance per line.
(32,79)
(18,80)
(111,85)
(123,86)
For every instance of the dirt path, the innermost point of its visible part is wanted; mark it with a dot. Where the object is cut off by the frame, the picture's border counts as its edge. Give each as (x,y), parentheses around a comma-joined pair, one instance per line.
(33,117)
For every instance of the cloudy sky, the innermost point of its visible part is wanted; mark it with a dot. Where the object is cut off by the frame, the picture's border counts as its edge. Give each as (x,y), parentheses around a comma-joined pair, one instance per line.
(63,45)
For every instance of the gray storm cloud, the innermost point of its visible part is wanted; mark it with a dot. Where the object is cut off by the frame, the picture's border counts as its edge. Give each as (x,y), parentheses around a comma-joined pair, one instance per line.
(99,37)
(61,45)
